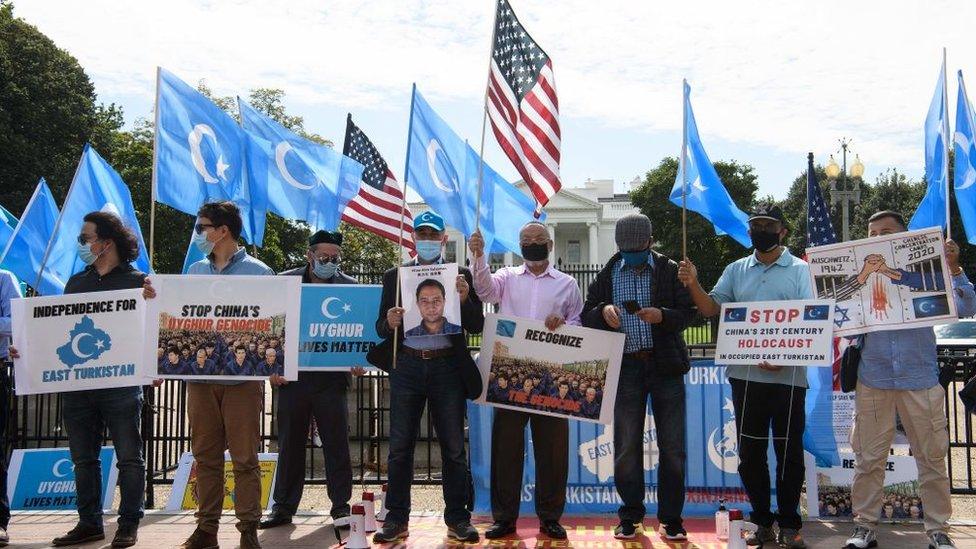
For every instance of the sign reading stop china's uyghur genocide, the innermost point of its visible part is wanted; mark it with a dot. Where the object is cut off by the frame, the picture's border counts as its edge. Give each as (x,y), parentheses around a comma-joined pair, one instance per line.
(784,333)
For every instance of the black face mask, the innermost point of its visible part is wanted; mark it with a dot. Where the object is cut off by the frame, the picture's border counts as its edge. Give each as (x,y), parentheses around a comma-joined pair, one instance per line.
(763,241)
(535,252)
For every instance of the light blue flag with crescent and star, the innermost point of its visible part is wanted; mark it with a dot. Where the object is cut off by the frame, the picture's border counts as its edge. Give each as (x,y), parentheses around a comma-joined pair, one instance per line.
(203,155)
(8,222)
(307,181)
(193,254)
(964,166)
(26,248)
(705,192)
(931,211)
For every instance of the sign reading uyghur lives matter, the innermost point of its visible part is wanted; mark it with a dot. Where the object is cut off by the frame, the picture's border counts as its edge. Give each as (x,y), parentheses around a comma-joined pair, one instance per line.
(889,282)
(782,333)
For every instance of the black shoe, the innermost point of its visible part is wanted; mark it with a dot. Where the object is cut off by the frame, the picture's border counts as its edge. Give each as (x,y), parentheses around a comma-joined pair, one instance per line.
(673,532)
(625,530)
(553,529)
(391,531)
(81,533)
(500,529)
(463,531)
(4,538)
(126,535)
(274,519)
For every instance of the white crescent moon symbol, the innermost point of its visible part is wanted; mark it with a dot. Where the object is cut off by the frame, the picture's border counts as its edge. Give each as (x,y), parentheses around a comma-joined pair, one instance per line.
(325,308)
(218,290)
(74,346)
(966,147)
(925,306)
(56,470)
(195,138)
(727,464)
(280,151)
(432,148)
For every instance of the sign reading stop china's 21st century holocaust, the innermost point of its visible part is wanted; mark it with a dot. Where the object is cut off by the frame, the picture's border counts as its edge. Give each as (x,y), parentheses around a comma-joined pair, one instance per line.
(783,333)
(43,479)
(889,282)
(79,341)
(216,327)
(570,372)
(338,325)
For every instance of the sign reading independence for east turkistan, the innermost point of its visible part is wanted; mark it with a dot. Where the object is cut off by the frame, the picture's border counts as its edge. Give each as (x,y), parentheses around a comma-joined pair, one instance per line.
(782,333)
(889,282)
(79,341)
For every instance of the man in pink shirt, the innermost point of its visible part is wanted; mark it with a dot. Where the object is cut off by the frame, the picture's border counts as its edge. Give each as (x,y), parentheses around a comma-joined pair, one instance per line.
(538,291)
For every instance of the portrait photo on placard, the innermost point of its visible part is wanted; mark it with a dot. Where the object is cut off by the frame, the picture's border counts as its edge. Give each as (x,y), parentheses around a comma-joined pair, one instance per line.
(430,299)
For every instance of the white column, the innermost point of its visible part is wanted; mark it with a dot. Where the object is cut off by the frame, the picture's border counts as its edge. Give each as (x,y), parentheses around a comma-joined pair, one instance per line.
(509,258)
(594,239)
(551,227)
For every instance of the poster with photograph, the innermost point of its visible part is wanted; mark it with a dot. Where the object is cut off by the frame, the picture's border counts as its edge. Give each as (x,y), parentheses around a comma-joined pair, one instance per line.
(215,327)
(783,333)
(184,497)
(570,372)
(79,341)
(430,300)
(890,282)
(829,489)
(338,326)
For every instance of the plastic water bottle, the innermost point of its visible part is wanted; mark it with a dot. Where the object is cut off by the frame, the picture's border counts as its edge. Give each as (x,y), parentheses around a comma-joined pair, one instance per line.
(722,521)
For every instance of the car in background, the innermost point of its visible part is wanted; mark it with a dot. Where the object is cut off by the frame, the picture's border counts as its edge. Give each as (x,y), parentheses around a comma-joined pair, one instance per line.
(958,335)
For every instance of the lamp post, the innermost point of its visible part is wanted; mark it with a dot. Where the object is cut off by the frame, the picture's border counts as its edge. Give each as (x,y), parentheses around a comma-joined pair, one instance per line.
(845,194)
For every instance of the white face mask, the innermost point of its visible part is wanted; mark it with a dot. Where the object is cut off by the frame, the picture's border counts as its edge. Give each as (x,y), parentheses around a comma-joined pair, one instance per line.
(203,243)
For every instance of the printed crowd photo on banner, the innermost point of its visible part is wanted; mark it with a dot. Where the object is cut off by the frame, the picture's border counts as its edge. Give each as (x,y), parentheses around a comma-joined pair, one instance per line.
(207,327)
(829,489)
(430,300)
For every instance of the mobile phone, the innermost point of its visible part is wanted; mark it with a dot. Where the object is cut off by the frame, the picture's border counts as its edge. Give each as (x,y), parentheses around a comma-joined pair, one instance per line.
(631,306)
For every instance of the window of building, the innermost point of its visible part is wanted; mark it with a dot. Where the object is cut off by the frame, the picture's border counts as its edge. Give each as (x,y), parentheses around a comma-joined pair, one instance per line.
(450,251)
(573,251)
(496,258)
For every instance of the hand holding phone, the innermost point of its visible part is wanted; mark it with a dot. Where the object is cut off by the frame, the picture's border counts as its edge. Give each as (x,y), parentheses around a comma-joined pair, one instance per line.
(631,306)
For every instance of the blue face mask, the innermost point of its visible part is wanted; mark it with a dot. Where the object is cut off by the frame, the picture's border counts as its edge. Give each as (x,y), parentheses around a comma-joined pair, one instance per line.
(324,271)
(203,243)
(428,250)
(632,259)
(85,254)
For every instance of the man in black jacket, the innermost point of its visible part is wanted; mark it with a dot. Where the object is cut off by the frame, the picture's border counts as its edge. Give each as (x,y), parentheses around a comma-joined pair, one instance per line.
(429,371)
(318,395)
(638,293)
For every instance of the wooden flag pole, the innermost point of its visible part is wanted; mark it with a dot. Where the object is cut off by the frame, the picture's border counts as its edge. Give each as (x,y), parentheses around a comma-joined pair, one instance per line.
(684,172)
(948,143)
(403,210)
(152,188)
(484,120)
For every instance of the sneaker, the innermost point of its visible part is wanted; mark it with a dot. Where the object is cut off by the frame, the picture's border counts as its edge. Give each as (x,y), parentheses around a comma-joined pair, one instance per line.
(762,536)
(200,540)
(391,531)
(940,540)
(790,538)
(625,530)
(673,532)
(463,531)
(862,538)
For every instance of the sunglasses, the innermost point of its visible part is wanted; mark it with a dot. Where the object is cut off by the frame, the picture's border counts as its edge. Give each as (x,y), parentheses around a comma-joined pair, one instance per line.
(199,227)
(82,239)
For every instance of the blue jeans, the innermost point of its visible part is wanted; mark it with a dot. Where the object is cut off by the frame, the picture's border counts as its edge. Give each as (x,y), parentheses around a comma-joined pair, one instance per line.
(436,384)
(667,394)
(85,415)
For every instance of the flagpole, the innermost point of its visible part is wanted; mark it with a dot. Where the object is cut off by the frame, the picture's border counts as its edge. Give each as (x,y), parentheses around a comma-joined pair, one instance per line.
(57,224)
(484,120)
(809,175)
(947,141)
(684,172)
(403,209)
(152,188)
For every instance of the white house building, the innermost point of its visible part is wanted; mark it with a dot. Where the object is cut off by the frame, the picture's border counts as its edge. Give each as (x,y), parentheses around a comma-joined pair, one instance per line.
(581,222)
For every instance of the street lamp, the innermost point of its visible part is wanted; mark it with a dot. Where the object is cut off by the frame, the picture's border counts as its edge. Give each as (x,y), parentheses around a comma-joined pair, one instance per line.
(845,194)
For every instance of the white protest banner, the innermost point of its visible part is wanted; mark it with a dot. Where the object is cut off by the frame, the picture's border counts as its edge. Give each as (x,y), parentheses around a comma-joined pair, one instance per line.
(79,341)
(215,327)
(888,282)
(570,372)
(430,299)
(783,333)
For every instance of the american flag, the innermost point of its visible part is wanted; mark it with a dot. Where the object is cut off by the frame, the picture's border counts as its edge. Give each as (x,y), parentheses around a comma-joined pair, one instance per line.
(379,199)
(522,105)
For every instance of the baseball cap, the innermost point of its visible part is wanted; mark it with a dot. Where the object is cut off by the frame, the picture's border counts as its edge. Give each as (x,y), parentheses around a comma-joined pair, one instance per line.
(767,211)
(429,219)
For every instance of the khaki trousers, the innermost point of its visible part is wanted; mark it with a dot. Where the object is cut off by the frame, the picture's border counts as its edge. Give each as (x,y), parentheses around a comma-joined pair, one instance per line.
(922,413)
(226,417)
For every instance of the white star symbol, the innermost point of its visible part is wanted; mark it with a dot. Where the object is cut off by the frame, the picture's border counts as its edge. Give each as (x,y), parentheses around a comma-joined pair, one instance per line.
(222,167)
(100,344)
(346,308)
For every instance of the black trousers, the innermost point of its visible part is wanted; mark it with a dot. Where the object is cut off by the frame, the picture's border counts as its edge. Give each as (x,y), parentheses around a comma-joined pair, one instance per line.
(298,402)
(5,397)
(757,409)
(550,438)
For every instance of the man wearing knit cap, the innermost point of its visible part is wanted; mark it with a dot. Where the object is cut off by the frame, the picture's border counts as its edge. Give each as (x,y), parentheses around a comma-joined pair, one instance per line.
(638,293)
(316,395)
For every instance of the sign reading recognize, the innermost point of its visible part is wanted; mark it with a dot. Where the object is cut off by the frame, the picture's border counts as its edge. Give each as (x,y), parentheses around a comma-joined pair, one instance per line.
(783,333)
(338,325)
(79,341)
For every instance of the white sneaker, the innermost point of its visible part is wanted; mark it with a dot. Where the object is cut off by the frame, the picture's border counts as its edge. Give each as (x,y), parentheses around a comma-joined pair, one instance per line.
(862,538)
(940,540)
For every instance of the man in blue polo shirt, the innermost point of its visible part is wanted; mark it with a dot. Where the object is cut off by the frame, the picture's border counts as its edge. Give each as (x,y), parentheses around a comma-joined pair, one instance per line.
(765,395)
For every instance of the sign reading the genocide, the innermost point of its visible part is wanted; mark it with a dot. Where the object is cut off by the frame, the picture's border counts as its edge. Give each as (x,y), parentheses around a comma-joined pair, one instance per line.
(338,325)
(215,327)
(570,372)
(783,333)
(183,497)
(79,341)
(430,299)
(890,282)
(829,489)
(43,479)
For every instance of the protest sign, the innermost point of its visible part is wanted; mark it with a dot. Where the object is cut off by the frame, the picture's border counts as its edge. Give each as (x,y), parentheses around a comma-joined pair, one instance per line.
(829,489)
(338,326)
(79,341)
(43,479)
(430,298)
(215,327)
(570,372)
(183,497)
(888,282)
(783,333)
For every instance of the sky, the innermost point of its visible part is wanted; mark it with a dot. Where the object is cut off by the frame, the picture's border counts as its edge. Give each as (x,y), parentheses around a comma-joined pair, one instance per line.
(770,81)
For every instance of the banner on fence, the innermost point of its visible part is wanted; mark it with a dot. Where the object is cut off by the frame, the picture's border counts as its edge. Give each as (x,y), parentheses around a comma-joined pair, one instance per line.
(430,298)
(79,341)
(829,489)
(888,282)
(783,333)
(43,479)
(215,327)
(338,325)
(184,494)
